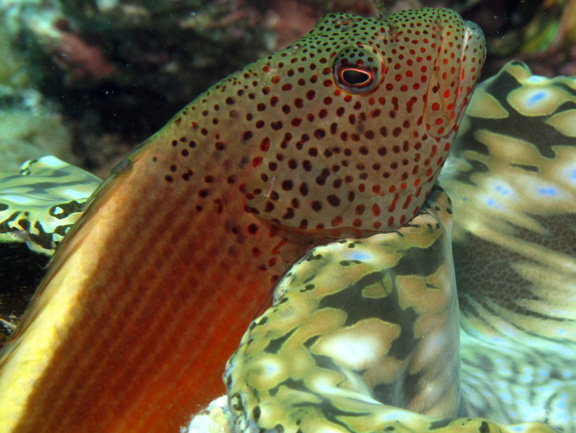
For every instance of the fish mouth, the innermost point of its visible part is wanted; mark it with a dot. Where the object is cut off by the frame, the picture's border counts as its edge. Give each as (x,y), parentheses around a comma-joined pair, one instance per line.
(457,69)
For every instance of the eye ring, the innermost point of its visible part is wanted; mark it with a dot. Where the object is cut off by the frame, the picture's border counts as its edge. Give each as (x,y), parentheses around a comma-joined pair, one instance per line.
(355,77)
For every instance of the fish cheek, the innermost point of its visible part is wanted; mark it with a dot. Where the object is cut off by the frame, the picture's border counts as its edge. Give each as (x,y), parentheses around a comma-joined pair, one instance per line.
(285,187)
(295,180)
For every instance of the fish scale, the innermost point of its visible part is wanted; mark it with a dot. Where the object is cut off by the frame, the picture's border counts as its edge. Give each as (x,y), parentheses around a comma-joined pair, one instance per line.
(342,132)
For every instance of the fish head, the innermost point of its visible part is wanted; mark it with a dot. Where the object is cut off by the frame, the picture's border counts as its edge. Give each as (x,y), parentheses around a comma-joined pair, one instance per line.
(354,120)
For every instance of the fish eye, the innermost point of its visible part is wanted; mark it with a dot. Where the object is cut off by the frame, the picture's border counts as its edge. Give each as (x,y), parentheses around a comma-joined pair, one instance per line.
(358,69)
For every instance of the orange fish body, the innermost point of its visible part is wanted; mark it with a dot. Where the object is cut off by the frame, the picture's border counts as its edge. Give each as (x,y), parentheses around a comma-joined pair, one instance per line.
(343,132)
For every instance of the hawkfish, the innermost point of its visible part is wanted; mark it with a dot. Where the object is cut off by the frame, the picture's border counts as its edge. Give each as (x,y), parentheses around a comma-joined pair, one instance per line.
(343,133)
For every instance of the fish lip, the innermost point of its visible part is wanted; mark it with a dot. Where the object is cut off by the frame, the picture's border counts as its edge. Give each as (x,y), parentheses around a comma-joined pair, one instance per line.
(457,68)
(471,29)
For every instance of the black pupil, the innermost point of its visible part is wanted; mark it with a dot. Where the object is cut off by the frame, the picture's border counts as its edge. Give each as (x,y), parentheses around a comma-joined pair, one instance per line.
(354,77)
